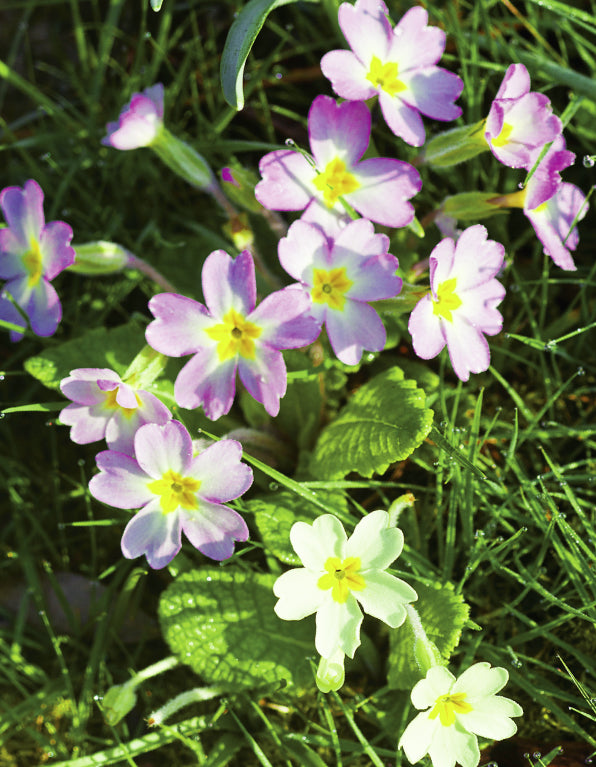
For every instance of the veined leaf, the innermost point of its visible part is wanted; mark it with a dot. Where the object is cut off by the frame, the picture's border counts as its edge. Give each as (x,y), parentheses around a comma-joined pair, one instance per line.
(443,614)
(220,621)
(384,422)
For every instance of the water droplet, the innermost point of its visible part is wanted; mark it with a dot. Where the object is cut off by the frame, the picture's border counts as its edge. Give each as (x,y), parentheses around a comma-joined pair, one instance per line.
(278,75)
(273,486)
(1,378)
(516,663)
(589,161)
(81,462)
(208,579)
(580,372)
(147,35)
(521,185)
(537,755)
(290,142)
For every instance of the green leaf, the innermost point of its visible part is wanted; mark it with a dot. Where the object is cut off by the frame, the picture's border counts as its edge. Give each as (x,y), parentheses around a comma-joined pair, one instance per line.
(384,422)
(98,348)
(443,614)
(276,513)
(241,37)
(220,621)
(300,409)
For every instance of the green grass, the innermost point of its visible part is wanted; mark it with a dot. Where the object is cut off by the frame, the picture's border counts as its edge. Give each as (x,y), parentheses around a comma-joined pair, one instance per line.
(519,542)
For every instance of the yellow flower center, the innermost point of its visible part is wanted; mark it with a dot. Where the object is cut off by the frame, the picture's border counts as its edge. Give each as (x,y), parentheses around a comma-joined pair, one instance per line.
(330,287)
(503,137)
(341,577)
(335,181)
(384,76)
(234,335)
(446,301)
(110,402)
(175,491)
(32,261)
(447,706)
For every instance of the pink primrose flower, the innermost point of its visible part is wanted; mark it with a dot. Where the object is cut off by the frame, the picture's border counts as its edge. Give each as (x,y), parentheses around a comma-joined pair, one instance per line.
(519,120)
(398,64)
(140,121)
(378,188)
(546,179)
(176,492)
(229,334)
(32,253)
(552,221)
(462,303)
(104,406)
(340,276)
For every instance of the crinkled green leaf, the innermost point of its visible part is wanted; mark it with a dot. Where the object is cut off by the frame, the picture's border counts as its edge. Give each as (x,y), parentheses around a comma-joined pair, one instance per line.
(220,621)
(384,422)
(443,614)
(276,513)
(239,41)
(98,348)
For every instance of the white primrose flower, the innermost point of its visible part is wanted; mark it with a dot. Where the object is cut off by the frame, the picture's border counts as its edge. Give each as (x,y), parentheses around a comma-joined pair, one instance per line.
(457,710)
(339,573)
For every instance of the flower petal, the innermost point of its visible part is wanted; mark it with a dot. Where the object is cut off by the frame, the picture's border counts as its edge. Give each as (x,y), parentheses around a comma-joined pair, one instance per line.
(154,534)
(314,543)
(438,681)
(159,449)
(121,482)
(480,680)
(229,283)
(265,377)
(490,717)
(338,626)
(287,182)
(179,324)
(213,529)
(426,330)
(222,475)
(304,246)
(206,381)
(23,211)
(417,737)
(453,744)
(366,28)
(386,187)
(468,348)
(55,248)
(298,594)
(403,119)
(285,319)
(376,544)
(384,597)
(347,75)
(354,328)
(338,131)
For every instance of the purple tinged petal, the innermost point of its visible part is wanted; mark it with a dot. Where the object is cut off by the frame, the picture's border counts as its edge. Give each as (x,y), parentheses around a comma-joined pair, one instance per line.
(414,44)
(552,224)
(229,283)
(205,381)
(122,427)
(125,396)
(55,249)
(329,220)
(139,122)
(222,474)
(338,130)
(214,529)
(9,313)
(285,319)
(287,182)
(347,75)
(545,180)
(265,377)
(375,279)
(515,84)
(366,28)
(476,259)
(432,91)
(121,482)
(153,533)
(304,246)
(354,329)
(23,211)
(88,423)
(441,263)
(468,348)
(426,330)
(403,119)
(179,324)
(39,302)
(160,448)
(89,376)
(386,187)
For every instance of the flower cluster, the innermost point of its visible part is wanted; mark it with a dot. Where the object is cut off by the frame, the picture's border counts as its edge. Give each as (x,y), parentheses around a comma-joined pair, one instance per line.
(522,132)
(32,253)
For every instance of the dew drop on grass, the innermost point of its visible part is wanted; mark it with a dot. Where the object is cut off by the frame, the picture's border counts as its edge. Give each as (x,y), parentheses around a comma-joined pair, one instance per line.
(589,161)
(290,142)
(536,755)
